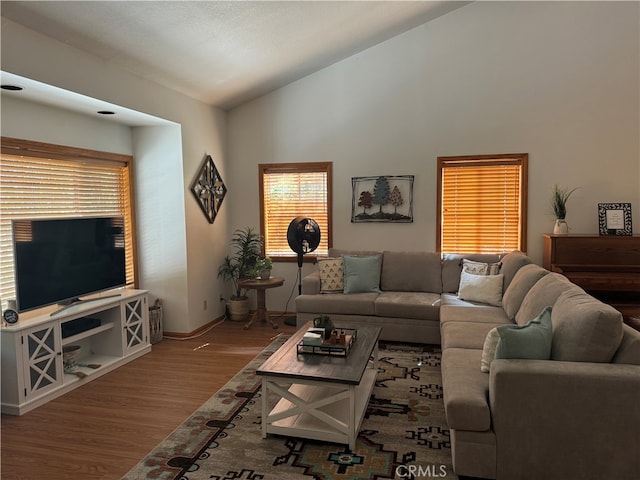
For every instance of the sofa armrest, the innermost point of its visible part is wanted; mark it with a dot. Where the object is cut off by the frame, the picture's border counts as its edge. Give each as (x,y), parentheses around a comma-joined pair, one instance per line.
(558,420)
(311,283)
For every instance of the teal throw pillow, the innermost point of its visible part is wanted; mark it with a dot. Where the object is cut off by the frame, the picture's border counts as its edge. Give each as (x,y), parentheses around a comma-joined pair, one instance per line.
(361,273)
(530,341)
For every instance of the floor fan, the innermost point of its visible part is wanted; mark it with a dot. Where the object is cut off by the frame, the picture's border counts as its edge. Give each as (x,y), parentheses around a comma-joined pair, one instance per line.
(303,236)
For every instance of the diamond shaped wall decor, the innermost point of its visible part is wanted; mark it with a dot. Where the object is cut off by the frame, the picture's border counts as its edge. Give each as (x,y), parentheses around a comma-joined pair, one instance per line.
(209,189)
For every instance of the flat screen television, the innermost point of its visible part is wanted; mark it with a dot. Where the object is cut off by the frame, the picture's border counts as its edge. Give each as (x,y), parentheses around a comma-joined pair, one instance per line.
(60,260)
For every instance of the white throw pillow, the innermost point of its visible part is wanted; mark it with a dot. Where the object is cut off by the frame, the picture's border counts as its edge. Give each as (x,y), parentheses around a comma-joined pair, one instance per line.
(481,288)
(480,268)
(489,349)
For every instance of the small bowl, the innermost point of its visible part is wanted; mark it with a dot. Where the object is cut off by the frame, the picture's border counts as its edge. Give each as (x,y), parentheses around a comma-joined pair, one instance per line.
(70,352)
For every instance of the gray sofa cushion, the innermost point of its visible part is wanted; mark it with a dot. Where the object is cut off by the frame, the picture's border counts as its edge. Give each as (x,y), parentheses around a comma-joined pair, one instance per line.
(451,311)
(584,329)
(353,304)
(420,305)
(452,267)
(524,279)
(629,349)
(511,263)
(311,283)
(411,272)
(466,390)
(543,294)
(338,252)
(465,334)
(473,453)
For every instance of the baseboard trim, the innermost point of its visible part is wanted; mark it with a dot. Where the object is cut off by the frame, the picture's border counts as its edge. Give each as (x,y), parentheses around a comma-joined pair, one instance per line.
(197,331)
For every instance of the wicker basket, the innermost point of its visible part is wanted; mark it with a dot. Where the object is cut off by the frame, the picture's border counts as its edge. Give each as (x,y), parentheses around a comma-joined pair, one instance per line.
(155,321)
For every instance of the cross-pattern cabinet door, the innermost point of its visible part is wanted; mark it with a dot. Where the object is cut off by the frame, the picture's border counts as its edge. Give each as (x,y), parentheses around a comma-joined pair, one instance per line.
(135,323)
(42,358)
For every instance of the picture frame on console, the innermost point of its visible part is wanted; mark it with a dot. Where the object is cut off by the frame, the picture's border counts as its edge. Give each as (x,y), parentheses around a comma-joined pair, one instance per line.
(614,219)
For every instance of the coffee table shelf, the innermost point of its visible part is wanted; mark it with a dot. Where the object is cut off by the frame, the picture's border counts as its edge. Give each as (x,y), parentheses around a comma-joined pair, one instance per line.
(319,397)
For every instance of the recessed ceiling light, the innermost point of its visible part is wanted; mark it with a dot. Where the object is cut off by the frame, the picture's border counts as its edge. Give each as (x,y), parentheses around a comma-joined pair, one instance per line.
(106,112)
(13,88)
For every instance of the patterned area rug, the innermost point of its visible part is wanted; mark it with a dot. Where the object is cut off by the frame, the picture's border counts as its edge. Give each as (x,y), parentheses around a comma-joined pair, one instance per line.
(403,435)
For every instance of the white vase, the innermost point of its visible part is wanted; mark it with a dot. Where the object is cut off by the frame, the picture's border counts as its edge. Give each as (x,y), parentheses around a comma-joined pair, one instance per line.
(560,227)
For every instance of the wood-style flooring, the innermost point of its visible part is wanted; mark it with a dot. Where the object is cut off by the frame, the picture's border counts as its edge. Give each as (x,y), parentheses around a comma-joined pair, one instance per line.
(102,429)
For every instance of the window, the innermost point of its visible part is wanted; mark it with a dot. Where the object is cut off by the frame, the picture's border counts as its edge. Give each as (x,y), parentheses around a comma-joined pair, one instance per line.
(289,190)
(482,203)
(40,180)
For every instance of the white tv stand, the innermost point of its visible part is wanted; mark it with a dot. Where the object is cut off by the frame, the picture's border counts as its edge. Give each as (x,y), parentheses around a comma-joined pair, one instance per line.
(32,365)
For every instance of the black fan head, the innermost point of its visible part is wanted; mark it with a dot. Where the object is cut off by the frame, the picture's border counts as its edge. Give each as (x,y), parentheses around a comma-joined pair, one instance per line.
(303,236)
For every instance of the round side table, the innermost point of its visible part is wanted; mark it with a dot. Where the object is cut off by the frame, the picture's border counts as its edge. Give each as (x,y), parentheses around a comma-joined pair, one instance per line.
(260,286)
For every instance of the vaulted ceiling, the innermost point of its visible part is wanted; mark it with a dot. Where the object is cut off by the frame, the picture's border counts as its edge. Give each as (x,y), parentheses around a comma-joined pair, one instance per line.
(223,53)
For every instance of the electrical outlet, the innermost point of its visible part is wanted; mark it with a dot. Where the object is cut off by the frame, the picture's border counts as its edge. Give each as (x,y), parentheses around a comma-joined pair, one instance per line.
(205,305)
(222,299)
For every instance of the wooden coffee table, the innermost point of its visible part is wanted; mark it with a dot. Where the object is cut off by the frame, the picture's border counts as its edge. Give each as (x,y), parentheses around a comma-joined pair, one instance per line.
(321,397)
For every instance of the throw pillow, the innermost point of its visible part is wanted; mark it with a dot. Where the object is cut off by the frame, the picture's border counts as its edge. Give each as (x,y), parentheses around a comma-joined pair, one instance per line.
(489,349)
(331,275)
(531,341)
(480,268)
(481,288)
(361,273)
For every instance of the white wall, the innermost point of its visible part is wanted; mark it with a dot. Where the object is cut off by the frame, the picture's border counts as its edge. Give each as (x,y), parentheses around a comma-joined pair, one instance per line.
(559,81)
(185,250)
(36,121)
(162,250)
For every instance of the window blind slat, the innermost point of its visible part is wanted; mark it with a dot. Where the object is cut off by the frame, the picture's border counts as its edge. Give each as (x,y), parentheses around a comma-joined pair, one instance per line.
(289,191)
(46,188)
(481,206)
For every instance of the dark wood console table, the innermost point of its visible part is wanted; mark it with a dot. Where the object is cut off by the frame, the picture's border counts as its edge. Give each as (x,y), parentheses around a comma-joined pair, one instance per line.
(608,267)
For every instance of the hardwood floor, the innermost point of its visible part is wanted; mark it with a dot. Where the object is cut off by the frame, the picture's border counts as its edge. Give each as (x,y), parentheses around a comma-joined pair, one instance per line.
(102,429)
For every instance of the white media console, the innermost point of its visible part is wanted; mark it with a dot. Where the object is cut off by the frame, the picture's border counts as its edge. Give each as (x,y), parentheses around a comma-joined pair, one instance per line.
(32,362)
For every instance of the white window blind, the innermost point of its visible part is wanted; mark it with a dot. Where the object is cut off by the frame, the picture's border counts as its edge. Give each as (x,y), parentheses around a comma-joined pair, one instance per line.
(482,204)
(289,191)
(33,187)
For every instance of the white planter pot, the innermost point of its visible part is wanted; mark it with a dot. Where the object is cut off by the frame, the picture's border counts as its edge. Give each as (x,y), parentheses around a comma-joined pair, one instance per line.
(560,227)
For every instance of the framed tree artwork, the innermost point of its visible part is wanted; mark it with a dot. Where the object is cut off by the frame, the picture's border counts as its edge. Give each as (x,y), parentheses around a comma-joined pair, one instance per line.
(209,189)
(387,198)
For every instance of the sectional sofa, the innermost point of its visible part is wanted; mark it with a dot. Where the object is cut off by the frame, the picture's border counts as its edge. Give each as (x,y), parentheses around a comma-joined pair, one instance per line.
(540,379)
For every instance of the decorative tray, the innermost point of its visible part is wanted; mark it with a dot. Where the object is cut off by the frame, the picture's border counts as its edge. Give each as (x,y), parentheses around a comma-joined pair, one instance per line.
(329,347)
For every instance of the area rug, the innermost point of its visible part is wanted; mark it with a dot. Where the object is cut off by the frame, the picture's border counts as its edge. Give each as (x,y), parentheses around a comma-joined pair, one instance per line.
(403,435)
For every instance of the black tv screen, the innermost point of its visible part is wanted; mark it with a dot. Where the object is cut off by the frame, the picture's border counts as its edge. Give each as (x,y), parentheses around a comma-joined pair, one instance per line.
(60,260)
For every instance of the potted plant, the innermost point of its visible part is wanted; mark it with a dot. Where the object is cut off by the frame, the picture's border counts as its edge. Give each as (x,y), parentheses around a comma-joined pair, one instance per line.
(263,267)
(559,199)
(246,244)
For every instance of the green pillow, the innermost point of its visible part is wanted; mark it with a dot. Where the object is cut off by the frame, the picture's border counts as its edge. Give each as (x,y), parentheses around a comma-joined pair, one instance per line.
(361,273)
(531,341)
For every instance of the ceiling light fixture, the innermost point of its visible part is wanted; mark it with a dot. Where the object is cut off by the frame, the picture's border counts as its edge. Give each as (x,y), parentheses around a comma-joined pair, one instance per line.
(106,112)
(13,88)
